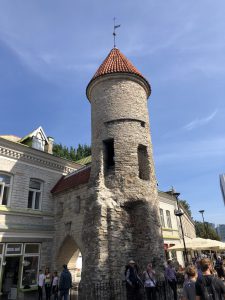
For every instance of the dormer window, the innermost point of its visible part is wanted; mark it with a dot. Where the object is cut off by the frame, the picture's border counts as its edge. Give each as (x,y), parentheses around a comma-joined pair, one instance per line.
(38,143)
(5,185)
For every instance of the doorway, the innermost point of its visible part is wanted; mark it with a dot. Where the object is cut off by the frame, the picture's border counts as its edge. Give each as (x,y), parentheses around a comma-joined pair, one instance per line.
(10,274)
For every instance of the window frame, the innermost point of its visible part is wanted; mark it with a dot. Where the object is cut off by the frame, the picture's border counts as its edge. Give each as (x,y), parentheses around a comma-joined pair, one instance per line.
(162,219)
(30,255)
(7,185)
(168,219)
(35,191)
(37,143)
(13,254)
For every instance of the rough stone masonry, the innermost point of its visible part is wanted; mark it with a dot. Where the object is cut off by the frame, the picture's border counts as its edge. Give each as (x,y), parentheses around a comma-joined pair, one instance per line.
(121,220)
(110,210)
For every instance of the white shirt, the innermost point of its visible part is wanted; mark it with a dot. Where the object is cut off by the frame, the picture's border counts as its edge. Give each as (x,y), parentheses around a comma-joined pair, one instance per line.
(55,281)
(41,280)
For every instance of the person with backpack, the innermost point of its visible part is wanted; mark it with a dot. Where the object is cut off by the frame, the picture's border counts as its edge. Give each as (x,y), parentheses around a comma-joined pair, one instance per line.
(209,287)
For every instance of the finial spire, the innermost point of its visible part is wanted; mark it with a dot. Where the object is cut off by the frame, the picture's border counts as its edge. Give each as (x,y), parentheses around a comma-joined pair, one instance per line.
(114,31)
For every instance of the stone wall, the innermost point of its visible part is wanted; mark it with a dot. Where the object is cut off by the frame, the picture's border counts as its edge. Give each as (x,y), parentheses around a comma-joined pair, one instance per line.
(121,218)
(69,213)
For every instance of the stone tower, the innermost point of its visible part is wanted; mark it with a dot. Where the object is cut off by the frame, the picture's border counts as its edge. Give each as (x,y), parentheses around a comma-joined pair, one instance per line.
(121,216)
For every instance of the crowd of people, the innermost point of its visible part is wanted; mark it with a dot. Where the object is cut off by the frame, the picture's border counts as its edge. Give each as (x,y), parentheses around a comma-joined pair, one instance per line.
(53,285)
(203,279)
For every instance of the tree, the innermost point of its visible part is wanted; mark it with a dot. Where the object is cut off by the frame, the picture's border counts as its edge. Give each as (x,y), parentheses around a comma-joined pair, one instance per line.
(71,153)
(205,231)
(186,206)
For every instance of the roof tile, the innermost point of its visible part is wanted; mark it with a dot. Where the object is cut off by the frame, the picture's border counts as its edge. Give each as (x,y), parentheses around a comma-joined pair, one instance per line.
(116,62)
(73,180)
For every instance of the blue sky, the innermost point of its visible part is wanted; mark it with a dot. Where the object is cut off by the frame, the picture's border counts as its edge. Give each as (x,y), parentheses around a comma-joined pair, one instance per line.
(50,49)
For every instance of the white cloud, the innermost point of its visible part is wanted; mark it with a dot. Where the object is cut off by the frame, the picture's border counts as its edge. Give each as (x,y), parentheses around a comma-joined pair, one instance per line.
(200,122)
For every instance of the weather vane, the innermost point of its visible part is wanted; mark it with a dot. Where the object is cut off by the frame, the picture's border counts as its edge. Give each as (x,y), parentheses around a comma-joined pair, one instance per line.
(114,31)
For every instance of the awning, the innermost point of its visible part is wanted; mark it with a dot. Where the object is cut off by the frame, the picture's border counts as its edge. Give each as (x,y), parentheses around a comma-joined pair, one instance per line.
(199,244)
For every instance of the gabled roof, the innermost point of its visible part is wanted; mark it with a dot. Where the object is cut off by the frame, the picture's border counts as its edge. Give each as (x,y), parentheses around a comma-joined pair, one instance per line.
(116,62)
(72,180)
(34,133)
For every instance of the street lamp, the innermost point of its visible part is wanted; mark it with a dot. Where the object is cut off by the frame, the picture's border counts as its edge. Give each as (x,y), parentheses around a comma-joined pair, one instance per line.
(179,213)
(206,231)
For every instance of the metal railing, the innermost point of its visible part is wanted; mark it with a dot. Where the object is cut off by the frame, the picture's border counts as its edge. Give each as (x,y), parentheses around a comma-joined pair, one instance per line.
(116,290)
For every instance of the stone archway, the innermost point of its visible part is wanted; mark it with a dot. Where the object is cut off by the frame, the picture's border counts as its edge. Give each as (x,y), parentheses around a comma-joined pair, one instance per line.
(70,254)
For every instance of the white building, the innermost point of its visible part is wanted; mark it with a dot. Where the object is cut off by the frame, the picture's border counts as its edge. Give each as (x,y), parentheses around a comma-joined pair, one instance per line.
(221,231)
(171,228)
(28,172)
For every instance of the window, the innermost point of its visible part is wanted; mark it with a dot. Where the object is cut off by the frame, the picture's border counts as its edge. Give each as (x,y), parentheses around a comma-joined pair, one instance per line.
(13,249)
(162,217)
(109,154)
(168,219)
(34,196)
(143,163)
(5,185)
(38,143)
(32,249)
(1,249)
(30,264)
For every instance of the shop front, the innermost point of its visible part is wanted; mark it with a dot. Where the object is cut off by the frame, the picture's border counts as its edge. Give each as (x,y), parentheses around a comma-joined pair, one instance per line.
(19,265)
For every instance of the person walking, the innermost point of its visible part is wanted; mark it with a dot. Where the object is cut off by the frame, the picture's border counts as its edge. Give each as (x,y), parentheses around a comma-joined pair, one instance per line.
(150,282)
(133,281)
(219,268)
(65,283)
(189,284)
(209,287)
(41,280)
(55,285)
(47,284)
(170,275)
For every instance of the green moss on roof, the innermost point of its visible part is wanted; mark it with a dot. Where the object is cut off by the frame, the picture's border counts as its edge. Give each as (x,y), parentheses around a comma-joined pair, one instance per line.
(84,161)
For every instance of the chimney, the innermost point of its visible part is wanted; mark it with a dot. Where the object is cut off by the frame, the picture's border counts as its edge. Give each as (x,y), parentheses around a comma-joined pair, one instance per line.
(49,146)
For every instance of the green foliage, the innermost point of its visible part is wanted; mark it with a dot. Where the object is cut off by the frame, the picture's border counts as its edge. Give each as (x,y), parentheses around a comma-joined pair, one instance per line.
(205,231)
(71,153)
(186,206)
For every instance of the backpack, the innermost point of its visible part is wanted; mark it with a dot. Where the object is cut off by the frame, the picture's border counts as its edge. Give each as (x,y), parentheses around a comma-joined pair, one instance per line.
(209,291)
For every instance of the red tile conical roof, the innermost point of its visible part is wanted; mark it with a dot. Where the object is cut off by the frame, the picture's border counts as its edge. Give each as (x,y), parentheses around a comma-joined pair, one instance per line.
(116,62)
